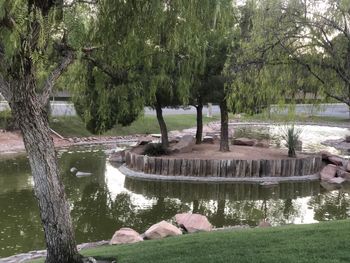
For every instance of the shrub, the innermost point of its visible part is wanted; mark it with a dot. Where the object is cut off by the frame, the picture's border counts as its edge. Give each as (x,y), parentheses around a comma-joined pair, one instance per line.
(155,149)
(291,136)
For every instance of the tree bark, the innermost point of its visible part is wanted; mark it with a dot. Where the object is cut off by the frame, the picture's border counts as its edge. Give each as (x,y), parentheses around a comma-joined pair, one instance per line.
(224,142)
(162,125)
(48,188)
(199,132)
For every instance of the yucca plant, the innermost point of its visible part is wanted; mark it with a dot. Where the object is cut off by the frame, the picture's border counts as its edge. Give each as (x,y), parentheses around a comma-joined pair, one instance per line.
(291,136)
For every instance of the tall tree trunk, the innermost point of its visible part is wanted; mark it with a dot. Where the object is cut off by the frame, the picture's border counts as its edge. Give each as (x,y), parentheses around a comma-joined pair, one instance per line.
(162,125)
(199,132)
(48,188)
(224,143)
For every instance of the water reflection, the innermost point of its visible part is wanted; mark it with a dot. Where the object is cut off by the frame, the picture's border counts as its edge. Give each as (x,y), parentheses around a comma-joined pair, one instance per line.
(232,204)
(107,201)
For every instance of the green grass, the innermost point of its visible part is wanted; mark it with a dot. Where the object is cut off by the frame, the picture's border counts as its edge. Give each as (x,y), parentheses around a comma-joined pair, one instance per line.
(326,242)
(73,126)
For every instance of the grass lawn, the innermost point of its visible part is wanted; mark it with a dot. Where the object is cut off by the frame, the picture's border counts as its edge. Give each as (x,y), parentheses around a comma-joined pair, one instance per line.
(73,126)
(326,242)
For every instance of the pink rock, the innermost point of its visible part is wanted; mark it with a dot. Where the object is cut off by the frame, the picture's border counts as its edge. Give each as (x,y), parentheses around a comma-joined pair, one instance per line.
(125,236)
(185,145)
(328,172)
(193,222)
(336,160)
(161,230)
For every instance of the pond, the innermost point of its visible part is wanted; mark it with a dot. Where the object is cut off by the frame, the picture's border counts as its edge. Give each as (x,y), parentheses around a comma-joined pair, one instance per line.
(106,201)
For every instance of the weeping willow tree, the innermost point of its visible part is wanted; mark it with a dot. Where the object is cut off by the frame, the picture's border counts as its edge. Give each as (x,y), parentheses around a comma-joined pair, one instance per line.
(216,23)
(105,81)
(261,71)
(34,52)
(146,53)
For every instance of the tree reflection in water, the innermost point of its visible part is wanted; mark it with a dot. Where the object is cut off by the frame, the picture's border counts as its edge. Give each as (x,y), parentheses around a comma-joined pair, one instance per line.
(333,205)
(98,211)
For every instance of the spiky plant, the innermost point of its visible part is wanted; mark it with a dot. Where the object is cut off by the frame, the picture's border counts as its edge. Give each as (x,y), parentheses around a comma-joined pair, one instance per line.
(291,137)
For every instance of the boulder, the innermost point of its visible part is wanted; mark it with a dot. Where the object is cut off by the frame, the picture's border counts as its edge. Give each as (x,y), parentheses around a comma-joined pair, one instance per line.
(336,160)
(328,172)
(161,230)
(208,139)
(125,236)
(264,223)
(244,141)
(193,222)
(343,174)
(185,145)
(347,138)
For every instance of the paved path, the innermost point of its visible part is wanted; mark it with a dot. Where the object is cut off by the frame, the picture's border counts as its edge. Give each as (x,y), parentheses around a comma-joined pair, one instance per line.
(340,110)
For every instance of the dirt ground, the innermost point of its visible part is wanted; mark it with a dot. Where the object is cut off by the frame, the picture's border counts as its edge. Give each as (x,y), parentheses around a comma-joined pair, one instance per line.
(11,142)
(211,152)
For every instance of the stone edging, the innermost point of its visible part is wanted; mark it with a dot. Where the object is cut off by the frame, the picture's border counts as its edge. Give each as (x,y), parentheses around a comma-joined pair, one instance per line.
(140,175)
(224,169)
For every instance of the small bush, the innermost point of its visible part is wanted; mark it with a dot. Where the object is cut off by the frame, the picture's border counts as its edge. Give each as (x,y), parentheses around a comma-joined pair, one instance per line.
(291,136)
(155,149)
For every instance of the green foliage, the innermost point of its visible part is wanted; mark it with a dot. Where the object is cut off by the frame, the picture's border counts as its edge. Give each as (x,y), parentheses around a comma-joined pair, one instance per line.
(69,126)
(155,149)
(6,121)
(291,135)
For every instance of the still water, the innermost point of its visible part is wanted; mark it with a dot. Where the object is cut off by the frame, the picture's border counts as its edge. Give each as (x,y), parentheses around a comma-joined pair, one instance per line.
(106,201)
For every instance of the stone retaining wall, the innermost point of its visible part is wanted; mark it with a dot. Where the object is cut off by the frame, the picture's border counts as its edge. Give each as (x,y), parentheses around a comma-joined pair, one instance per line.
(223,168)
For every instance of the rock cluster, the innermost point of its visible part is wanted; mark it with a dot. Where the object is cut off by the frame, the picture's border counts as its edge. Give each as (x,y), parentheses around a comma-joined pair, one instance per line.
(184,145)
(337,169)
(185,222)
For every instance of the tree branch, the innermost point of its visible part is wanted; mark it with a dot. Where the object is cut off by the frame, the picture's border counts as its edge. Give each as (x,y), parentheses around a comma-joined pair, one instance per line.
(119,76)
(67,59)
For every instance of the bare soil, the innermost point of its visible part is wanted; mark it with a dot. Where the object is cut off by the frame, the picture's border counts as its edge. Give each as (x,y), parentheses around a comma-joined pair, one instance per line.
(211,152)
(12,142)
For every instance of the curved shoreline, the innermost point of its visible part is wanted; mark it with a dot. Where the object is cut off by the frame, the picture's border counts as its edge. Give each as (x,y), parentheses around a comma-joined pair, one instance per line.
(155,177)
